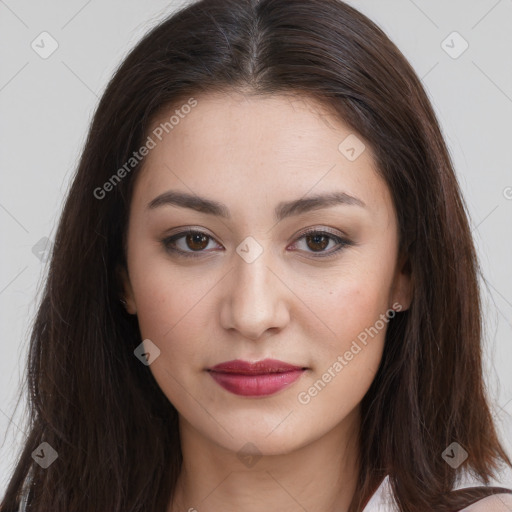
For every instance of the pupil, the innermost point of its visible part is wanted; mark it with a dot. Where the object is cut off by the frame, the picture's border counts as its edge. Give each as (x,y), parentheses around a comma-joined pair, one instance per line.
(316,238)
(197,238)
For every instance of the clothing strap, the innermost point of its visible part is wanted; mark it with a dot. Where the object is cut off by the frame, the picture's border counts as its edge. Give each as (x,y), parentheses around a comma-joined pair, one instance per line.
(474,494)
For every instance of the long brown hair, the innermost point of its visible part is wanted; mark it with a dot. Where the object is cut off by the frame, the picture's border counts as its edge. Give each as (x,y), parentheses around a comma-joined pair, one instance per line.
(115,432)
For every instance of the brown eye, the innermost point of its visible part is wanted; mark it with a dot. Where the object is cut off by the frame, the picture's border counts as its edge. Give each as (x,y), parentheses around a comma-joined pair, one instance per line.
(187,243)
(317,242)
(196,241)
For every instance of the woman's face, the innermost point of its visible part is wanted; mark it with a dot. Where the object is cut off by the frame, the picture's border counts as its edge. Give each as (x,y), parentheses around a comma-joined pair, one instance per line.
(250,176)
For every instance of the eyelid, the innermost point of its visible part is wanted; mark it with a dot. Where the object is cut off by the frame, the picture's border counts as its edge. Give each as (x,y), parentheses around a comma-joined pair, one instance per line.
(321,229)
(341,238)
(166,240)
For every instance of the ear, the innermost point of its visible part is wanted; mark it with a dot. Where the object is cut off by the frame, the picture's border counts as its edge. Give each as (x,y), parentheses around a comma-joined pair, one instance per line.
(402,287)
(127,296)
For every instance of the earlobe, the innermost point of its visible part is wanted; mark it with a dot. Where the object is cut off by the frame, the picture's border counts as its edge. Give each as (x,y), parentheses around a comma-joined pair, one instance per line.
(127,298)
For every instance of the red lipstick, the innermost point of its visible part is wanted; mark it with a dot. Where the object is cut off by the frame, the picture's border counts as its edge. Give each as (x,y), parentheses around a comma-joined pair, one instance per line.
(255,379)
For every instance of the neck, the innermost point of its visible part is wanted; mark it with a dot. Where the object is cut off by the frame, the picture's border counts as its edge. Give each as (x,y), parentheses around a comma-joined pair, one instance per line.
(318,477)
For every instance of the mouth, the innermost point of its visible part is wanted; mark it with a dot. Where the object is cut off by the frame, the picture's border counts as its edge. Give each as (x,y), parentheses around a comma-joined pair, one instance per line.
(261,378)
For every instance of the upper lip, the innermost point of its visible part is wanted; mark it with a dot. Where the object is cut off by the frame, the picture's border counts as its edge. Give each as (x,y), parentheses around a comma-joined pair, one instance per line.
(257,368)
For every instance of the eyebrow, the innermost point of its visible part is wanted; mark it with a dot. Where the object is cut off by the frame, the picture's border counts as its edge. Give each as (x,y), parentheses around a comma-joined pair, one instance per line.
(282,210)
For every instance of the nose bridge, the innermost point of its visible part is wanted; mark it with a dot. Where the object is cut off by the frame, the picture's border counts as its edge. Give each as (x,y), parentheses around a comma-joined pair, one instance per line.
(256,301)
(253,277)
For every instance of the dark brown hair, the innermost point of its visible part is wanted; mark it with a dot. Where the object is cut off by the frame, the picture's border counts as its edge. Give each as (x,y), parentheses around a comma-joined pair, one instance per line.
(115,432)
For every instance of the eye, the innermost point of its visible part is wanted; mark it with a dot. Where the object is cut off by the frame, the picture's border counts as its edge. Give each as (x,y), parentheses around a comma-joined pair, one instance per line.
(192,243)
(318,240)
(194,240)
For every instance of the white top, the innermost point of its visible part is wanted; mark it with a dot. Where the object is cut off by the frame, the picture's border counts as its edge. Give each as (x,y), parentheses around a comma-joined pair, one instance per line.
(382,500)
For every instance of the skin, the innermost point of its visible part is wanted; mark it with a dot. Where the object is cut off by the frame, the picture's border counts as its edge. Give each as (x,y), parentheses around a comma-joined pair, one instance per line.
(251,153)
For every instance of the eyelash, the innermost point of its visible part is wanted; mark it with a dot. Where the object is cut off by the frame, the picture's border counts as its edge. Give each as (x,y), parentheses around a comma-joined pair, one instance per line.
(167,243)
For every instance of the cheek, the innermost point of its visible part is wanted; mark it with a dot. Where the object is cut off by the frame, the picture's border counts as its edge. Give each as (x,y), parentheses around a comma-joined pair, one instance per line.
(349,301)
(360,333)
(346,360)
(172,311)
(172,306)
(356,306)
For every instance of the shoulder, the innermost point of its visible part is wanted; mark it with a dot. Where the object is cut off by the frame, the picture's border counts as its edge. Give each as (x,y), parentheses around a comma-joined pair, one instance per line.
(495,503)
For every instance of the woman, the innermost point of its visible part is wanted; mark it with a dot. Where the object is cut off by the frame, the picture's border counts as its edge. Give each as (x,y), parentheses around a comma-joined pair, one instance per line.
(263,293)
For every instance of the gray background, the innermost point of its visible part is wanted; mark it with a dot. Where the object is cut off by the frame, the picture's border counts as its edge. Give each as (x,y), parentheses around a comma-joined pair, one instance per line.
(46,106)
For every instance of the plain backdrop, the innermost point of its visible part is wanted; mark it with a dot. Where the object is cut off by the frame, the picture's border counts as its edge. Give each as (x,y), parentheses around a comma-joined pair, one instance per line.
(46,105)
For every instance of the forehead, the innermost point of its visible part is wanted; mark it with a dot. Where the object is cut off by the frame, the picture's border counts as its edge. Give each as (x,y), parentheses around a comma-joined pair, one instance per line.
(234,146)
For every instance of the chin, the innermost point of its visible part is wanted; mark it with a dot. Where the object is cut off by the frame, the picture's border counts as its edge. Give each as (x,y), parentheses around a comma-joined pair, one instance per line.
(263,441)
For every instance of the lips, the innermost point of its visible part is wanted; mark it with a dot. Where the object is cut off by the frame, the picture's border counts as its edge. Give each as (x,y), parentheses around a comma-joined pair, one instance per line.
(260,378)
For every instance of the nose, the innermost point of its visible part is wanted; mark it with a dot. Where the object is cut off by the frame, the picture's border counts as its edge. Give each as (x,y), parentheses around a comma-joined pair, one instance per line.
(257,299)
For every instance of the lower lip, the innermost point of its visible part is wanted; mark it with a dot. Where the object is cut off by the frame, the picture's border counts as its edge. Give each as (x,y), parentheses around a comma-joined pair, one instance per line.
(255,385)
